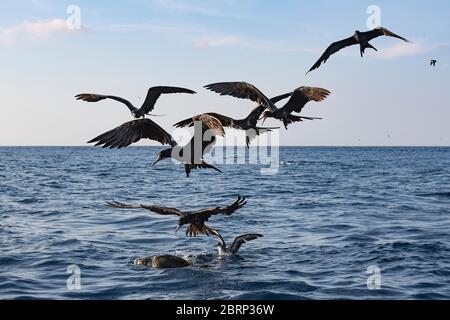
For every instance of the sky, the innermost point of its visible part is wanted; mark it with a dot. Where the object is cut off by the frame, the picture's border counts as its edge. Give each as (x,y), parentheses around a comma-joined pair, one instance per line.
(388,98)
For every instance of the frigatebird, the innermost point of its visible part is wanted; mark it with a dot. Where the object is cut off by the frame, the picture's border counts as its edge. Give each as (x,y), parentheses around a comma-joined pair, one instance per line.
(249,124)
(133,131)
(237,243)
(433,63)
(298,99)
(361,38)
(153,95)
(194,219)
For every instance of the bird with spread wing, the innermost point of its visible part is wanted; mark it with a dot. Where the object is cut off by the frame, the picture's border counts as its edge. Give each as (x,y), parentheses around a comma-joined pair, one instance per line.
(249,124)
(153,95)
(195,220)
(133,131)
(237,243)
(361,38)
(296,103)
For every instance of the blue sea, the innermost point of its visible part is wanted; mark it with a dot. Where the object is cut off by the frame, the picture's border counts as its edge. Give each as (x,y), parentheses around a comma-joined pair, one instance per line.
(338,223)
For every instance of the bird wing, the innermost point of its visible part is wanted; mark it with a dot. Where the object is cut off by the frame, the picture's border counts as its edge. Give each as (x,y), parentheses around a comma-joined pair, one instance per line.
(369,35)
(224,120)
(257,112)
(239,241)
(188,167)
(154,93)
(212,123)
(242,90)
(204,214)
(131,132)
(303,95)
(92,97)
(162,210)
(156,209)
(332,49)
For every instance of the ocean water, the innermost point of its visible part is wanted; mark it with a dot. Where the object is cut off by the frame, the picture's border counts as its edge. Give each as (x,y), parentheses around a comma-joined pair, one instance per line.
(328,217)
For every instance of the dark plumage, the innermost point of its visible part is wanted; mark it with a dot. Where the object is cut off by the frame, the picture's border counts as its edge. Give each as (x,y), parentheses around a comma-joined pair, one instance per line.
(242,90)
(133,131)
(153,95)
(433,63)
(248,124)
(361,38)
(237,243)
(195,220)
(299,99)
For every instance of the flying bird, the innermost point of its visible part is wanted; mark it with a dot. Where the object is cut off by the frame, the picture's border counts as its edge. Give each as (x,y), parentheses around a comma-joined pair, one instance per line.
(249,124)
(195,220)
(433,63)
(361,38)
(296,103)
(242,90)
(153,95)
(133,131)
(236,245)
(298,99)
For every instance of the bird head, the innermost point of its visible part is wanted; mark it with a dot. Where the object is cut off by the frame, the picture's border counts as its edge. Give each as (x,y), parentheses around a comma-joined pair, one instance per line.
(165,154)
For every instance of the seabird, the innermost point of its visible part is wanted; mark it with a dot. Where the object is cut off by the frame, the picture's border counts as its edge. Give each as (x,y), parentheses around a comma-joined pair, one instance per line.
(194,219)
(133,131)
(249,124)
(298,99)
(433,63)
(361,38)
(153,95)
(237,243)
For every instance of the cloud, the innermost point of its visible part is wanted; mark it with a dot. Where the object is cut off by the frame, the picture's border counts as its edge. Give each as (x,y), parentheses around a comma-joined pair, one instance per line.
(30,30)
(202,7)
(142,27)
(220,41)
(408,49)
(41,4)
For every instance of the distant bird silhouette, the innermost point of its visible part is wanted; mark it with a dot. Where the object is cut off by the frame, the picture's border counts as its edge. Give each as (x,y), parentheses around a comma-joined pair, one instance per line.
(236,245)
(133,131)
(298,99)
(433,63)
(361,38)
(195,220)
(149,104)
(249,124)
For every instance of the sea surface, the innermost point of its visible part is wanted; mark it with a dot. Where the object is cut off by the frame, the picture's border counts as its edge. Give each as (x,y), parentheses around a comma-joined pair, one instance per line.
(338,223)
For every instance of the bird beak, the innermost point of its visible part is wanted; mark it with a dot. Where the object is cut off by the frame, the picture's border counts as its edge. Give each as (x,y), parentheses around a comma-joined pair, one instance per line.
(157,115)
(264,118)
(157,160)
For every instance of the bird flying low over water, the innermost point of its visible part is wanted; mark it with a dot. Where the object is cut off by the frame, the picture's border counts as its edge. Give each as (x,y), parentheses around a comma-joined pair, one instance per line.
(433,63)
(237,243)
(133,131)
(249,124)
(361,38)
(153,95)
(298,99)
(195,220)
